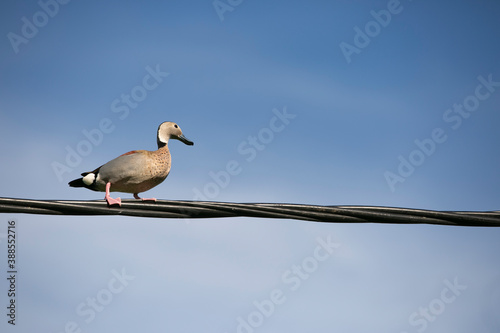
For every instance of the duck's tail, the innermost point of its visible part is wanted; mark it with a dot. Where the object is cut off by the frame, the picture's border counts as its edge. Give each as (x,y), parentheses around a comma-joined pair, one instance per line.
(77,183)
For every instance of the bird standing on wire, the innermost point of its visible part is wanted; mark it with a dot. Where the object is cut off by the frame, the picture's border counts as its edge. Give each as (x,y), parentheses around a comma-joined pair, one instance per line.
(136,171)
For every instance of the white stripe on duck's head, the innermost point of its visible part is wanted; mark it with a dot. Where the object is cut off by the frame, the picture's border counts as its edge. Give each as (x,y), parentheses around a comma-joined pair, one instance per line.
(170,130)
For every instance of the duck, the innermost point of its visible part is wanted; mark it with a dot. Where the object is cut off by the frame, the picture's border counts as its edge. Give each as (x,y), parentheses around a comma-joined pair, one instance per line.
(136,171)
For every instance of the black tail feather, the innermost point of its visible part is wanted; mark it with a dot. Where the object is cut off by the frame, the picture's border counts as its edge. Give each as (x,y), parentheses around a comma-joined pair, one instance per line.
(77,183)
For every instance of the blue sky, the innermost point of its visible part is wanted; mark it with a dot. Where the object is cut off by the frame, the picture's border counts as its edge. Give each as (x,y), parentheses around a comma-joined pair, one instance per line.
(265,86)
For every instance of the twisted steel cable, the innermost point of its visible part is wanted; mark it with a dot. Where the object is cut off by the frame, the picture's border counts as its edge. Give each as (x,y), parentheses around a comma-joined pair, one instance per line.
(209,209)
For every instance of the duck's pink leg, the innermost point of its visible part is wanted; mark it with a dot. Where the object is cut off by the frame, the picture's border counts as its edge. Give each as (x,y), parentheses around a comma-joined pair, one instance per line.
(109,199)
(136,195)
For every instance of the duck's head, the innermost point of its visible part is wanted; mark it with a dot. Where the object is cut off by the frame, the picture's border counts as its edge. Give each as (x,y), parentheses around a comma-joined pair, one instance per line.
(169,130)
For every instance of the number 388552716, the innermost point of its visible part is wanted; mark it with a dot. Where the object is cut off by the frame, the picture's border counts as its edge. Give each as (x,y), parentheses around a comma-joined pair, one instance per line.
(11,244)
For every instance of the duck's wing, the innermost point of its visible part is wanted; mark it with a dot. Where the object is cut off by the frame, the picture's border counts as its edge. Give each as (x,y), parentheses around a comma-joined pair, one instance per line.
(129,165)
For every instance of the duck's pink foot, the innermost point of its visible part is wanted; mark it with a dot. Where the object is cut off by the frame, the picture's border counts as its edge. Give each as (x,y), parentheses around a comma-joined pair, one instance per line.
(109,199)
(136,195)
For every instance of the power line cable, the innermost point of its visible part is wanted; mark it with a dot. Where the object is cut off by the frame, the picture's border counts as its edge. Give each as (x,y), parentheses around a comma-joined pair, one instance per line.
(212,209)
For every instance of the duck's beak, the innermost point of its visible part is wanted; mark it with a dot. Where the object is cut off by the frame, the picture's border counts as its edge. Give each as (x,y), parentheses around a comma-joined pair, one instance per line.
(182,138)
